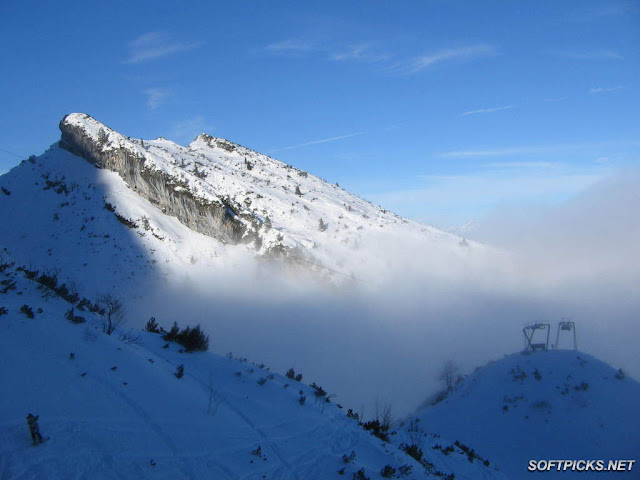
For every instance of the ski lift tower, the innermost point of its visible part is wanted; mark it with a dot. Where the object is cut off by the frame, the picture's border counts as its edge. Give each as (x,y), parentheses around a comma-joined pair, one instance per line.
(535,338)
(566,325)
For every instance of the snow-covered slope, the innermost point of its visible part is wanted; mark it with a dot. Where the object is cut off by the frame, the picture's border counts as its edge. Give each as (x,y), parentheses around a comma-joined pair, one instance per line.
(273,206)
(550,405)
(100,234)
(213,206)
(63,215)
(113,408)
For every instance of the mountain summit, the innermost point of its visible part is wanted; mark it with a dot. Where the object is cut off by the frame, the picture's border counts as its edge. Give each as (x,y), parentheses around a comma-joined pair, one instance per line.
(239,196)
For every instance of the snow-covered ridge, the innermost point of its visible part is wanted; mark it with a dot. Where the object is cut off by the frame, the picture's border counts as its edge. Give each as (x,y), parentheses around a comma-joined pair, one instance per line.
(154,176)
(237,195)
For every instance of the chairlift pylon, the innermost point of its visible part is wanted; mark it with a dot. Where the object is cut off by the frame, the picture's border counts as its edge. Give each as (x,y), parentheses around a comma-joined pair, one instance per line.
(567,325)
(529,332)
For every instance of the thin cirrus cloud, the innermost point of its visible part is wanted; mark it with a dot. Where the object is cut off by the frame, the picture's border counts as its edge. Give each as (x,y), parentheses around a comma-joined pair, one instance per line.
(290,46)
(314,142)
(153,45)
(522,165)
(600,54)
(156,97)
(496,152)
(597,90)
(603,11)
(554,99)
(487,110)
(367,53)
(538,149)
(360,53)
(429,60)
(293,47)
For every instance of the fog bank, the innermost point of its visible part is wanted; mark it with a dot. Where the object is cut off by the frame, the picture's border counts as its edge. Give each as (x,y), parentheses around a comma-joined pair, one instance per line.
(415,306)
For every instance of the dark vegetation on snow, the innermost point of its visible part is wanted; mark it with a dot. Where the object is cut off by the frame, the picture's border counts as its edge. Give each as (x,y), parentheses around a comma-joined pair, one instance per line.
(193,339)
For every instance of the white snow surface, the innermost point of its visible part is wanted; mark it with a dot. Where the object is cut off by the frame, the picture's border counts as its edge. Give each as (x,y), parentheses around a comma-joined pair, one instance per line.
(549,405)
(259,186)
(116,410)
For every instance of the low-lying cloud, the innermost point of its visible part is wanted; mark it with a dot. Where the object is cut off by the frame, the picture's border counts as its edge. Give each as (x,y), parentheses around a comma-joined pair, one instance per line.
(421,303)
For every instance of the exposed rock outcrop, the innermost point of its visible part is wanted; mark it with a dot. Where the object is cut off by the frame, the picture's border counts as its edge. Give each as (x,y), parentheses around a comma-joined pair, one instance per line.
(213,218)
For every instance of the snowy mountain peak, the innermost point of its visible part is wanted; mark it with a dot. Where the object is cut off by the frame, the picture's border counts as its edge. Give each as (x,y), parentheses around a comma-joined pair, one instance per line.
(239,196)
(217,142)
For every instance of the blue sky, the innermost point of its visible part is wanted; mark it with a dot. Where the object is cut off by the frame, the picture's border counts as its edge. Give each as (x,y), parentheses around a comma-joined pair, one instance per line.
(439,110)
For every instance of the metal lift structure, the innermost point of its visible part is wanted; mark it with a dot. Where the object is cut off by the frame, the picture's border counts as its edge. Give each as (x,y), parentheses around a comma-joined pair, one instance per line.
(567,325)
(535,338)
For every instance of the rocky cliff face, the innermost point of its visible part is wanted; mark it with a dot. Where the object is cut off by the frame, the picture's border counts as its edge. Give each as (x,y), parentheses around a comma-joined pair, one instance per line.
(239,196)
(214,218)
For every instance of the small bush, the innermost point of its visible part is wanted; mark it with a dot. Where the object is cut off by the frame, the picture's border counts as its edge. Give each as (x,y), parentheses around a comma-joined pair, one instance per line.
(319,392)
(471,453)
(29,274)
(439,396)
(152,326)
(350,458)
(302,399)
(4,265)
(3,311)
(179,371)
(413,451)
(27,310)
(146,223)
(620,374)
(64,293)
(172,334)
(387,471)
(125,221)
(192,339)
(359,475)
(518,374)
(111,312)
(291,373)
(377,428)
(73,318)
(7,285)
(583,386)
(103,137)
(49,281)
